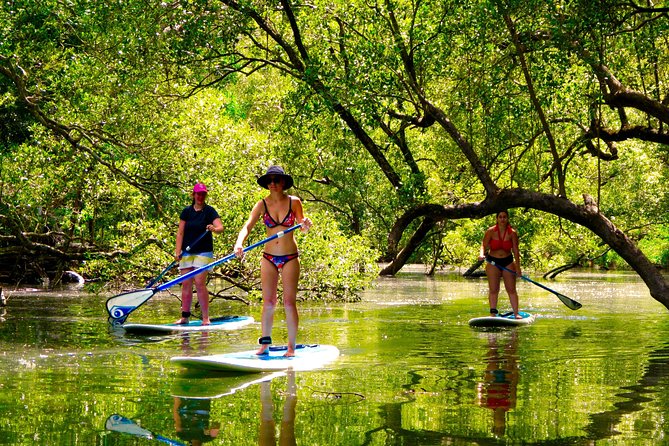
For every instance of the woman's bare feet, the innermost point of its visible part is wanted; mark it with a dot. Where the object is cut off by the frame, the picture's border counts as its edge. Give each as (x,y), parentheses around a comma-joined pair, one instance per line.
(185,316)
(265,342)
(517,316)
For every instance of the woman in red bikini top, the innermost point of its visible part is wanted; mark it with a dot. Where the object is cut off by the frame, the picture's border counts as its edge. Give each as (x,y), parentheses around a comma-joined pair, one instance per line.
(500,246)
(278,211)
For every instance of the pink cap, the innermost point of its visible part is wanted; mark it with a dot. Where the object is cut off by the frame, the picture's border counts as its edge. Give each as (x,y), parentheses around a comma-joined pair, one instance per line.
(199,187)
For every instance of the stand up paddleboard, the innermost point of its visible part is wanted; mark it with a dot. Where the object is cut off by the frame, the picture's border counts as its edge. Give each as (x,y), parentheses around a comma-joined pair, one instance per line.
(219,323)
(503,320)
(307,357)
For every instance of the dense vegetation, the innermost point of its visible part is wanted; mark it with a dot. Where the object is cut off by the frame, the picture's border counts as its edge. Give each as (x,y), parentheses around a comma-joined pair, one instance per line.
(404,123)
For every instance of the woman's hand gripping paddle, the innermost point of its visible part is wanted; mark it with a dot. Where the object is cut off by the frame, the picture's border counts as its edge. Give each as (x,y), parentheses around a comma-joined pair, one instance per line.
(171,265)
(568,301)
(120,306)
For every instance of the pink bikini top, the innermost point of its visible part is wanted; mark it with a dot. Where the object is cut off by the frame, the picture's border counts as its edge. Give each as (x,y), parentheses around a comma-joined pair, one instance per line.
(287,221)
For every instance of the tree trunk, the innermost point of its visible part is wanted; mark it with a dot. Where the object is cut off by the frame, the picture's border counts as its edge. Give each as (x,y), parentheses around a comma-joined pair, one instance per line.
(586,215)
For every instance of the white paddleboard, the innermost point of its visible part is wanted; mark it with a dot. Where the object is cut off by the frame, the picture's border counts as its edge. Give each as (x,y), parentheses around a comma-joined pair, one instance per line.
(507,320)
(220,323)
(307,357)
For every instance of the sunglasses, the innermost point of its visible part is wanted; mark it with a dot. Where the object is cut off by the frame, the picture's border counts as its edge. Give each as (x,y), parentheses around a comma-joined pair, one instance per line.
(275,180)
(201,193)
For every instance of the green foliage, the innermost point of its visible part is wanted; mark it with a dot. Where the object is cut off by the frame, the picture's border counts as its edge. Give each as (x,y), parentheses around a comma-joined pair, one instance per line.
(335,266)
(157,97)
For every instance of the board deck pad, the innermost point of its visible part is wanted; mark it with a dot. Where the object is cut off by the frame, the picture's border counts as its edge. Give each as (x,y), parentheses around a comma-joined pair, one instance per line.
(307,357)
(219,323)
(506,320)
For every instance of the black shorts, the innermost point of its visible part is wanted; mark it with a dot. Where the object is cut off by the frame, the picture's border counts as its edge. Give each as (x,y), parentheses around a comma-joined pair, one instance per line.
(504,261)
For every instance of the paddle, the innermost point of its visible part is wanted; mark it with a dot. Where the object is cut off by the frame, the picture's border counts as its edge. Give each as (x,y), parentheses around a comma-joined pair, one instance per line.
(171,265)
(118,423)
(121,305)
(568,301)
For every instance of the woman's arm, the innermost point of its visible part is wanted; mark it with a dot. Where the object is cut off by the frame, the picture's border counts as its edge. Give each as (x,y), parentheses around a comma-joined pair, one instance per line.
(216,226)
(485,243)
(180,239)
(247,228)
(516,251)
(299,214)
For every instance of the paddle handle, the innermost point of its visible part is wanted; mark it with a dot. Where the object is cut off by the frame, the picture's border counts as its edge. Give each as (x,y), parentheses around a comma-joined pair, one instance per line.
(231,256)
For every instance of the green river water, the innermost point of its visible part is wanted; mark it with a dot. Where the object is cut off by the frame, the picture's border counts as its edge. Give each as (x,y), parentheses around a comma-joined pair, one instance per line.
(411,371)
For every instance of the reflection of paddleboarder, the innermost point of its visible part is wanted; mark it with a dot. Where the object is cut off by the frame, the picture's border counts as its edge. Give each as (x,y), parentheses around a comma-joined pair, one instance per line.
(499,387)
(267,424)
(192,420)
(201,342)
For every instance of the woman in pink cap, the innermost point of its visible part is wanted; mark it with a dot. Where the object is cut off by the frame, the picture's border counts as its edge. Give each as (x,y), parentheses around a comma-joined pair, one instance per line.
(194,249)
(278,211)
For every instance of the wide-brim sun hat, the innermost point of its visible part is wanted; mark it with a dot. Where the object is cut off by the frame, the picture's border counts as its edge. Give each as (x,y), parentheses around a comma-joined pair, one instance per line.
(200,187)
(276,171)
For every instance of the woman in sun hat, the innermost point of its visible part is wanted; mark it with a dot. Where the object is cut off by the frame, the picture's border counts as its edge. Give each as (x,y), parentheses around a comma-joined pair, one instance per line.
(195,220)
(278,212)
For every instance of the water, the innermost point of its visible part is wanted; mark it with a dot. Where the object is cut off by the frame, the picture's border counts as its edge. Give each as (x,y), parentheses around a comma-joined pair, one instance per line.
(412,372)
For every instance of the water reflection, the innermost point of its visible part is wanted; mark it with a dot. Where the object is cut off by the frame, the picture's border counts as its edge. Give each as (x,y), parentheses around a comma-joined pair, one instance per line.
(267,423)
(192,420)
(598,376)
(123,425)
(636,398)
(194,344)
(498,389)
(191,342)
(194,383)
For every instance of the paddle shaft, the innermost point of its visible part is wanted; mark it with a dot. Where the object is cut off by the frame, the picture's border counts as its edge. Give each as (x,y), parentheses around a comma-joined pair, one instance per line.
(121,305)
(171,265)
(231,256)
(523,277)
(571,303)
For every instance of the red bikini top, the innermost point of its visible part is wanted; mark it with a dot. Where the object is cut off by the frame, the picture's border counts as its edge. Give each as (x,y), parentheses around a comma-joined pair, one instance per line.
(502,244)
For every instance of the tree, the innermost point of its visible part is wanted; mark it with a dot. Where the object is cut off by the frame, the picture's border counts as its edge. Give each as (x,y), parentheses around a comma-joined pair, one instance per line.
(525,91)
(112,134)
(399,114)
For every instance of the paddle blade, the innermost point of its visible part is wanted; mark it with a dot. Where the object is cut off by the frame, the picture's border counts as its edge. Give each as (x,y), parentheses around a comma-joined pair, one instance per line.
(120,306)
(568,301)
(118,423)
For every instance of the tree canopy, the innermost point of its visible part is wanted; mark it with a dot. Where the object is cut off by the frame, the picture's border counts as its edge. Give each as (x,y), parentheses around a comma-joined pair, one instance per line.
(403,122)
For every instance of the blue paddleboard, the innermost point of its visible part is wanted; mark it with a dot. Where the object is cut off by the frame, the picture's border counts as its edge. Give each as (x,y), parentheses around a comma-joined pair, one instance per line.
(219,323)
(506,320)
(307,357)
